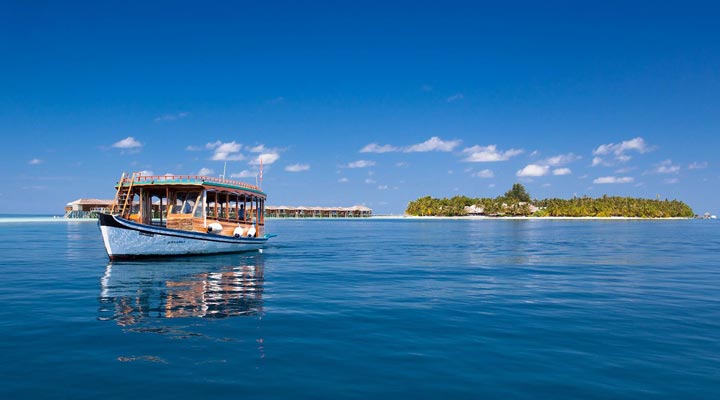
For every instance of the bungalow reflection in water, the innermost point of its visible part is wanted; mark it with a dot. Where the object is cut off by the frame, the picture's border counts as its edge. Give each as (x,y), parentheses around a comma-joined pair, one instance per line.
(132,293)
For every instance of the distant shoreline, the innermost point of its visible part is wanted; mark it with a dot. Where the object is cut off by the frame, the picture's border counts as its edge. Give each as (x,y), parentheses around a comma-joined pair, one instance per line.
(485,218)
(26,219)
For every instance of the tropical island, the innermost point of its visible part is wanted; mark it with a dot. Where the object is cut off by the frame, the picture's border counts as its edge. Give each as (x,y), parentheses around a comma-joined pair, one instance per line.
(517,202)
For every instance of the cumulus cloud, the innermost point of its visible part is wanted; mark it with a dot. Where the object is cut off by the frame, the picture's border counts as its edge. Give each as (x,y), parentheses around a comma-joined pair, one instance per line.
(244,174)
(618,150)
(560,159)
(376,148)
(383,187)
(455,97)
(360,164)
(433,144)
(258,149)
(489,154)
(229,151)
(561,171)
(206,171)
(343,180)
(35,161)
(297,167)
(665,167)
(127,143)
(613,179)
(172,117)
(698,165)
(369,181)
(266,158)
(486,173)
(532,170)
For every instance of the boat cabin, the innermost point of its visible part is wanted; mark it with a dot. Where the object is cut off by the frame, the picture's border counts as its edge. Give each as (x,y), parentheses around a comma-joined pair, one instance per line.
(192,203)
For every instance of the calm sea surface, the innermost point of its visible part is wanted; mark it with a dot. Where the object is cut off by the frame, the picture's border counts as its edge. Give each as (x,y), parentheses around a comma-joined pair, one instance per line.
(369,309)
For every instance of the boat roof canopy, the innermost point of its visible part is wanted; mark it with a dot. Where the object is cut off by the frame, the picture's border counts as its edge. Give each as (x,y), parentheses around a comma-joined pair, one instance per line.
(207,182)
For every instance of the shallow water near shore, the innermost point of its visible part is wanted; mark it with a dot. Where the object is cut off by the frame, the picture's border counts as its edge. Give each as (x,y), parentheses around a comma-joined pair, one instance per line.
(369,308)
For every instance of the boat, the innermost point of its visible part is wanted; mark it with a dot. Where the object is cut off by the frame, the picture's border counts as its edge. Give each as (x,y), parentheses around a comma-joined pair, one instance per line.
(172,215)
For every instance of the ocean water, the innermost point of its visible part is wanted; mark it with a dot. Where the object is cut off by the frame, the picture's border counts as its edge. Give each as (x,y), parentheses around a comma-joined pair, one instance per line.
(369,309)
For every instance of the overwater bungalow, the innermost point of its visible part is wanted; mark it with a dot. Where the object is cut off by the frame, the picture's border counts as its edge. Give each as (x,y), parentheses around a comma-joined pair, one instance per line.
(87,208)
(317,212)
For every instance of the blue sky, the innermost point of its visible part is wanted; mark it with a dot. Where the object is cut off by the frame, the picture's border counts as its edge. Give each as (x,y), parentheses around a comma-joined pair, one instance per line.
(362,102)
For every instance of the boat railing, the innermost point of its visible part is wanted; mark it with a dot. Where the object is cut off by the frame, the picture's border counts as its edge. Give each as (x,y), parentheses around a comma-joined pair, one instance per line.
(188,179)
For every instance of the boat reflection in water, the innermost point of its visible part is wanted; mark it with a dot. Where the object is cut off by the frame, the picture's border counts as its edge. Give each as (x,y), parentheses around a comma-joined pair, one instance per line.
(134,292)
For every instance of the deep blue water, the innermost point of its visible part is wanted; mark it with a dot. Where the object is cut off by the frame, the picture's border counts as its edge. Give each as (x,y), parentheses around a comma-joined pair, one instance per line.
(369,309)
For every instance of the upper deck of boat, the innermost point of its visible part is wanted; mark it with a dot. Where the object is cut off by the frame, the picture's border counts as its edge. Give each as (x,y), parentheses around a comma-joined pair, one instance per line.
(189,180)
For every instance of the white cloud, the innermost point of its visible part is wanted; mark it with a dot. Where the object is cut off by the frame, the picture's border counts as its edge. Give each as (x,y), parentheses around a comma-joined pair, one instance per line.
(401,164)
(489,154)
(343,180)
(127,143)
(35,161)
(369,181)
(698,165)
(297,167)
(486,173)
(561,171)
(666,167)
(172,117)
(360,164)
(244,174)
(613,179)
(206,171)
(383,187)
(625,170)
(671,180)
(546,185)
(267,158)
(618,150)
(212,145)
(492,185)
(455,97)
(598,161)
(257,149)
(533,170)
(560,159)
(146,173)
(229,151)
(433,144)
(376,148)
(193,148)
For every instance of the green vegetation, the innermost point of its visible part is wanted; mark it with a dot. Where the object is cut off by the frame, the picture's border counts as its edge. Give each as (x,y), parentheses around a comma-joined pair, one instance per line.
(517,202)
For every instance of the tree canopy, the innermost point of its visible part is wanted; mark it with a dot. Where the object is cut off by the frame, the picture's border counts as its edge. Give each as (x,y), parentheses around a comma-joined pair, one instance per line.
(517,202)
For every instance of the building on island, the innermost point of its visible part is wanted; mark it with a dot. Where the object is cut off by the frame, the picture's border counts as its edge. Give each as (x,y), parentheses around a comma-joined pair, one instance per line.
(317,212)
(86,208)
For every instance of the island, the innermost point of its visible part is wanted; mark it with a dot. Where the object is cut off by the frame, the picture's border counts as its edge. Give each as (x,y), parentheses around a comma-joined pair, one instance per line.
(517,202)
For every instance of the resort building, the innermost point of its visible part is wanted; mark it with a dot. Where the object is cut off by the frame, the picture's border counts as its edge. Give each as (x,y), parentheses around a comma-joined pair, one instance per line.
(87,208)
(317,212)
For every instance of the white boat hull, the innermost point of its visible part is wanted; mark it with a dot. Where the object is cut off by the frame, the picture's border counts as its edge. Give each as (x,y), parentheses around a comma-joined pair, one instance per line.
(127,239)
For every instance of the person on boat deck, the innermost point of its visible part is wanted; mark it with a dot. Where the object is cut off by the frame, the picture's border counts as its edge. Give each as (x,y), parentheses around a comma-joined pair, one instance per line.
(241,212)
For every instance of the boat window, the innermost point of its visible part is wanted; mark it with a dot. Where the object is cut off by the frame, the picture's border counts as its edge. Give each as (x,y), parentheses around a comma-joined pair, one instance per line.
(184,202)
(199,208)
(211,207)
(222,205)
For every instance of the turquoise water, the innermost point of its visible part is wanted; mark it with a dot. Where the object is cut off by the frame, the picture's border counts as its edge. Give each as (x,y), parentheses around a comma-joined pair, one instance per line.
(369,309)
